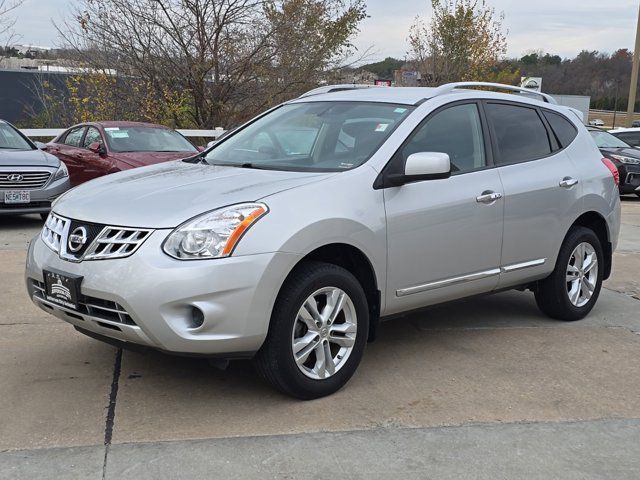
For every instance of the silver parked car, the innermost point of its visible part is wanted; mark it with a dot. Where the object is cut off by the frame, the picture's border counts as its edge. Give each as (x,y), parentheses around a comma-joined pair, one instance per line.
(292,237)
(30,179)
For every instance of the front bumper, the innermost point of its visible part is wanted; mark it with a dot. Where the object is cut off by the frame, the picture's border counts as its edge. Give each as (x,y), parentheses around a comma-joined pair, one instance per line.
(149,298)
(41,199)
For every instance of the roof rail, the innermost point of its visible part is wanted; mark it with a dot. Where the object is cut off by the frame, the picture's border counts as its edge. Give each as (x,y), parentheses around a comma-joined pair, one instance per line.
(337,88)
(449,87)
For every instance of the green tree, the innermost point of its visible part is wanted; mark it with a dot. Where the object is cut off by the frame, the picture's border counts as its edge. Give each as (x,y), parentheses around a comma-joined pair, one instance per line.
(384,68)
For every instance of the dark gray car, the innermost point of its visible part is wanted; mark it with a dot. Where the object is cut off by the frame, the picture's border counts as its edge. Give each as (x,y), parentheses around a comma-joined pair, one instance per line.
(30,179)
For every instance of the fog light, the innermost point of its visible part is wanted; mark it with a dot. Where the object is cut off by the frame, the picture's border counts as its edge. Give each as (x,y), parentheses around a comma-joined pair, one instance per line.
(197,317)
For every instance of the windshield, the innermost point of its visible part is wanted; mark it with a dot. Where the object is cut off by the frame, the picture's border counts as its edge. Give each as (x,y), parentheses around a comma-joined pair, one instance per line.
(315,136)
(606,140)
(146,139)
(11,139)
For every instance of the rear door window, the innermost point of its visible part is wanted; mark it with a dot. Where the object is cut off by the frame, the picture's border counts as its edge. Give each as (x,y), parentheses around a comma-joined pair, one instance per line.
(564,130)
(519,132)
(74,137)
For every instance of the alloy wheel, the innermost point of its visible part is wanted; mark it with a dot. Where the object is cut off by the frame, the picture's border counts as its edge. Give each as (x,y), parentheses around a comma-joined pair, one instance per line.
(324,333)
(582,274)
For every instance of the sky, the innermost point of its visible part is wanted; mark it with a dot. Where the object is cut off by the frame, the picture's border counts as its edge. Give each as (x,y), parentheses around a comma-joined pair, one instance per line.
(562,27)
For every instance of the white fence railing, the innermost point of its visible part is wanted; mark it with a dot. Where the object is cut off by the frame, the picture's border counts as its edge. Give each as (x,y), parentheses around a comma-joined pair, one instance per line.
(54,132)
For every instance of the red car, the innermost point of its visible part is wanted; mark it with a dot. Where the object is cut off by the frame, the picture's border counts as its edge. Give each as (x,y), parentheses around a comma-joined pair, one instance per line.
(91,150)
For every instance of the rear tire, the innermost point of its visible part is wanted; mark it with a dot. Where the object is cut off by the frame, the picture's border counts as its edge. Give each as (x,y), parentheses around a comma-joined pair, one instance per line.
(318,332)
(571,291)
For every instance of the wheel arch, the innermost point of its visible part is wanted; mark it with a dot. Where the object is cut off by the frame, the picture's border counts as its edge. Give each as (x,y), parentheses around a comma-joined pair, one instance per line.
(597,223)
(359,265)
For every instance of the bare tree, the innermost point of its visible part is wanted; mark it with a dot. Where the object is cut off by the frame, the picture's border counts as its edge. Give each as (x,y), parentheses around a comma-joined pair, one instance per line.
(7,22)
(229,58)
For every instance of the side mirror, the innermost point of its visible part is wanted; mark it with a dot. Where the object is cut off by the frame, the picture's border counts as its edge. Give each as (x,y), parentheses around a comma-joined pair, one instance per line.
(40,145)
(422,166)
(97,147)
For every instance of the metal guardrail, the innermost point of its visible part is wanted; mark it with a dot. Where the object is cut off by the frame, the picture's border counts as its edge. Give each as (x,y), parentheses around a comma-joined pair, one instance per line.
(54,132)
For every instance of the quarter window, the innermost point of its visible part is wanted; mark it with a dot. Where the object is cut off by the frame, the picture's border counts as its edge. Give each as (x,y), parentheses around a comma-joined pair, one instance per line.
(456,131)
(564,130)
(520,133)
(74,137)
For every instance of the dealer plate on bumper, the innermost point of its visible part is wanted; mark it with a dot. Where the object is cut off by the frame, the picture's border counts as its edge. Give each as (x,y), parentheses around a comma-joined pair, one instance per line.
(17,196)
(62,288)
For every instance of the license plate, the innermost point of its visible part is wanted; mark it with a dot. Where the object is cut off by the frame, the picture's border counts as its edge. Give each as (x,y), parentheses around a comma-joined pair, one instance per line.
(17,196)
(62,288)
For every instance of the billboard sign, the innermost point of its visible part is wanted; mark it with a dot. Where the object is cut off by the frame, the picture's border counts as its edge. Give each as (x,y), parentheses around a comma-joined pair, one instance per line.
(531,83)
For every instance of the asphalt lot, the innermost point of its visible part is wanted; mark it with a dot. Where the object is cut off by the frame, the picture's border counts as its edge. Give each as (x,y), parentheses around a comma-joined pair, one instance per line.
(484,388)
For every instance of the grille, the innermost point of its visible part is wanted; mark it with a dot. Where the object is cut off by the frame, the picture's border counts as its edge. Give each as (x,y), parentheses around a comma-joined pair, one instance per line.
(102,242)
(24,180)
(93,306)
(116,242)
(54,230)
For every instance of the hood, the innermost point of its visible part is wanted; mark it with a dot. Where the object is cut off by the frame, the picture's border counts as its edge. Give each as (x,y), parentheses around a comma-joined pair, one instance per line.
(27,158)
(166,195)
(141,159)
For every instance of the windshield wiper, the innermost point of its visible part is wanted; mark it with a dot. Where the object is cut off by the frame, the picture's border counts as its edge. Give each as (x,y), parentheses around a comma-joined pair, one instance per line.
(256,166)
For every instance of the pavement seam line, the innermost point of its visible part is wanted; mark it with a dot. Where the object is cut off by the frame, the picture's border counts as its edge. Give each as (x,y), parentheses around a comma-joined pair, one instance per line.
(448,427)
(627,294)
(111,409)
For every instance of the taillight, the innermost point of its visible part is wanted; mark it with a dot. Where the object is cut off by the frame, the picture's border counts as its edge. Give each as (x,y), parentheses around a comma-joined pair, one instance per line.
(613,169)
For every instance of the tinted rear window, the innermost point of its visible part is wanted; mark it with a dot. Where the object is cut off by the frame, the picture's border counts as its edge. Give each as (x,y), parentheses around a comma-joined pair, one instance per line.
(520,133)
(564,130)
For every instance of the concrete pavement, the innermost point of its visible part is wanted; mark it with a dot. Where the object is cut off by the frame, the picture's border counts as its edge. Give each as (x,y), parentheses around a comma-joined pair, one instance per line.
(484,388)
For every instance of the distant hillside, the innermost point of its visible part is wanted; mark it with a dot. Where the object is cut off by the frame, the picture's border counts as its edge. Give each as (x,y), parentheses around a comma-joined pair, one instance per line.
(385,68)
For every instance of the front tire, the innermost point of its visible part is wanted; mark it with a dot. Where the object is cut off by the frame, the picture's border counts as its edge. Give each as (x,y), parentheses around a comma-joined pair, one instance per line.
(318,332)
(571,291)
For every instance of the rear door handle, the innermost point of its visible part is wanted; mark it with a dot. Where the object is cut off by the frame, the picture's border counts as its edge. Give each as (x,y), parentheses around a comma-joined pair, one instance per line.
(488,196)
(568,182)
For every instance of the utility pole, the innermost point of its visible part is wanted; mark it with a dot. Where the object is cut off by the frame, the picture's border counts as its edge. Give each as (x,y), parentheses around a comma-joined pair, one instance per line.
(615,105)
(634,76)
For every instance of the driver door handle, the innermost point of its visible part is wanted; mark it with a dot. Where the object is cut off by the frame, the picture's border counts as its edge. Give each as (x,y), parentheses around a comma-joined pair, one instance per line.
(488,196)
(568,182)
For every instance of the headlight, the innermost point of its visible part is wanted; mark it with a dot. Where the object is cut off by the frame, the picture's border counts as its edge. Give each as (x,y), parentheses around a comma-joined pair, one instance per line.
(214,234)
(627,160)
(62,172)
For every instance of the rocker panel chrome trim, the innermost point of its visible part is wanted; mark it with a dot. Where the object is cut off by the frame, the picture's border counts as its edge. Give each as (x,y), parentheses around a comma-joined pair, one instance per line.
(470,277)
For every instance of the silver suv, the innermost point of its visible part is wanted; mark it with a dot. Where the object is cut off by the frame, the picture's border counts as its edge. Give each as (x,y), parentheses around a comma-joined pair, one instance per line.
(291,238)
